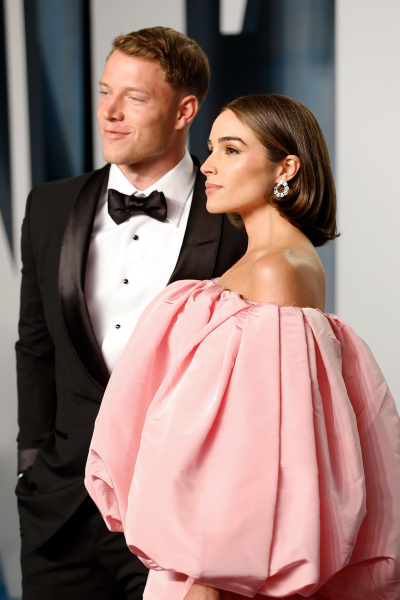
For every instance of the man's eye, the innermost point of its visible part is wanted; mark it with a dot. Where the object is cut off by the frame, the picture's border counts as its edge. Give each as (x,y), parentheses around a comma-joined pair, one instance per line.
(103,93)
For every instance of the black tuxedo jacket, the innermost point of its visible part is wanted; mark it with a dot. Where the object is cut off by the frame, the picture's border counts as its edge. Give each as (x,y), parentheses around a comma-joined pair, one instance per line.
(61,371)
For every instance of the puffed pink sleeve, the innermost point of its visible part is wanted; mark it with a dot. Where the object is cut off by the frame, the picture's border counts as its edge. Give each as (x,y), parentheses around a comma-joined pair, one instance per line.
(253,448)
(116,441)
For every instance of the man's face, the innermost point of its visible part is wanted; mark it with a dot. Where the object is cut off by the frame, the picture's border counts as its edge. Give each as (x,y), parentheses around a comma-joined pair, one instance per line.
(137,110)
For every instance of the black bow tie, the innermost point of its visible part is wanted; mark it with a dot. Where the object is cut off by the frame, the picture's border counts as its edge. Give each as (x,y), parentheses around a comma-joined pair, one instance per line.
(121,207)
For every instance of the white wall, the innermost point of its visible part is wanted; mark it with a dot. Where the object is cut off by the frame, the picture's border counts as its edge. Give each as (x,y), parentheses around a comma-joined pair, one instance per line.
(368,169)
(122,16)
(10,278)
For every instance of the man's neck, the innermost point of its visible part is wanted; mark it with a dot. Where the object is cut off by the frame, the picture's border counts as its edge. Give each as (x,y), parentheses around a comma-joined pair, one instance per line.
(145,173)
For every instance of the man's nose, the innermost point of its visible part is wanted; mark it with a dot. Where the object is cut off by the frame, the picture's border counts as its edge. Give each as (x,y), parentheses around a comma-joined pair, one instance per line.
(113,111)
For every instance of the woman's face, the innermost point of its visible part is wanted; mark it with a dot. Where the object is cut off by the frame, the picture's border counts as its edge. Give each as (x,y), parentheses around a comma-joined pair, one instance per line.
(239,177)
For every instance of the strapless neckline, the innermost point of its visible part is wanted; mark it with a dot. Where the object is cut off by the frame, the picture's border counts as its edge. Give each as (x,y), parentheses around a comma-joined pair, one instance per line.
(229,293)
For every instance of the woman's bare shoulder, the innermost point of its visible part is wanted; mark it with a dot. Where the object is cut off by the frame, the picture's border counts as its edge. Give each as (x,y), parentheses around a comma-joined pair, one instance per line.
(289,277)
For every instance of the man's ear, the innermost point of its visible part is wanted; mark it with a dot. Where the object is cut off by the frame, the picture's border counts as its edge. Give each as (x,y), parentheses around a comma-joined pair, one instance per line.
(187,110)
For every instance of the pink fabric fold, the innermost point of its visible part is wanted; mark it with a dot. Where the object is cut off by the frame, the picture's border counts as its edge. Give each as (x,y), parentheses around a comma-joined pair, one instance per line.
(250,447)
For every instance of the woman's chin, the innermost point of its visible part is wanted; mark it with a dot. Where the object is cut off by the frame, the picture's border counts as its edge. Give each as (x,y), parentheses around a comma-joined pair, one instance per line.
(216,208)
(212,208)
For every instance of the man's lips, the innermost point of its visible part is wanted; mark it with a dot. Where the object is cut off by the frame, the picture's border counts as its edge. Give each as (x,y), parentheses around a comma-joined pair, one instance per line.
(114,135)
(212,187)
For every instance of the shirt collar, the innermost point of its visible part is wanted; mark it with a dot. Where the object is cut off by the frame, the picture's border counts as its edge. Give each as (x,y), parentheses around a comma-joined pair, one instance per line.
(176,186)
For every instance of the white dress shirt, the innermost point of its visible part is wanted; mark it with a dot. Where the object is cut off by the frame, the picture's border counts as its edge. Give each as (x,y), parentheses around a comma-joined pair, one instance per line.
(130,263)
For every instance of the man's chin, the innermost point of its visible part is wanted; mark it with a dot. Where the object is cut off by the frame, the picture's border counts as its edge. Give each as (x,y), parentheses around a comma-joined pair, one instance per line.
(118,159)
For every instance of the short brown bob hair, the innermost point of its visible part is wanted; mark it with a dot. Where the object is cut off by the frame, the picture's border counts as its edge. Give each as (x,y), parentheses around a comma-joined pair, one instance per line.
(184,63)
(284,126)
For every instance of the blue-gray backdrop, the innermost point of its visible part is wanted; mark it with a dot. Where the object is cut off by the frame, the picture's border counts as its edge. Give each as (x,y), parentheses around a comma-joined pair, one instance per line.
(286,46)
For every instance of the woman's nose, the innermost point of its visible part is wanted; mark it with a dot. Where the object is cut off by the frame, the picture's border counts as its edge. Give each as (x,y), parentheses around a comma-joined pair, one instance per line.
(208,166)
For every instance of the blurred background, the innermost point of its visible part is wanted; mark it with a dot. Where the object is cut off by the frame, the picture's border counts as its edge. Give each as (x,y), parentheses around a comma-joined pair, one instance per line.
(340,58)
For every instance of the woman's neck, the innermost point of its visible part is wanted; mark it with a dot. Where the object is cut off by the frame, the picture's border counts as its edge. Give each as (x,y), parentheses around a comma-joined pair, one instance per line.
(267,229)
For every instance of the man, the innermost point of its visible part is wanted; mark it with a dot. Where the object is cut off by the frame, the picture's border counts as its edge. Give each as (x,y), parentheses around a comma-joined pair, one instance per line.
(96,249)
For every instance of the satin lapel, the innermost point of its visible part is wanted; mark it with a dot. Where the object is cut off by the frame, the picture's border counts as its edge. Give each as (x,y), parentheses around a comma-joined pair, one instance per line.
(203,231)
(71,278)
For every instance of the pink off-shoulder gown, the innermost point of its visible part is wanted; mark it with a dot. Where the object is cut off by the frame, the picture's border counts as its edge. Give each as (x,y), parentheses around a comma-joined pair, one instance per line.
(251,447)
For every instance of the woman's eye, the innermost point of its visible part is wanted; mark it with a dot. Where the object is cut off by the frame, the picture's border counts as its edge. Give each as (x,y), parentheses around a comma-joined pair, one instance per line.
(209,151)
(230,150)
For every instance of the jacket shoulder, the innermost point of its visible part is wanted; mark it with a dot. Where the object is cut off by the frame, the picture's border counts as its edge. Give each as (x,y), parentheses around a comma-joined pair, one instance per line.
(50,204)
(69,186)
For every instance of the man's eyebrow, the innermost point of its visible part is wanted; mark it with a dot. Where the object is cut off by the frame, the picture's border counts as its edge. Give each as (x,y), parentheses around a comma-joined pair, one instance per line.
(229,138)
(128,89)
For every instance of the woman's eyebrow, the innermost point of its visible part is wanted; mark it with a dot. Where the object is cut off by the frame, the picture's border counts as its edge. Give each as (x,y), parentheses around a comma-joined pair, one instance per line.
(231,138)
(228,138)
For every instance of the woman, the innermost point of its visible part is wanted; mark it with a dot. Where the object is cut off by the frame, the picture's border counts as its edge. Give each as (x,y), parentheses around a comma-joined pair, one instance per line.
(247,444)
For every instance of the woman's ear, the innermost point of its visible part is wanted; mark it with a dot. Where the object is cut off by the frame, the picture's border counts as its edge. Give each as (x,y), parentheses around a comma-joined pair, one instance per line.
(289,167)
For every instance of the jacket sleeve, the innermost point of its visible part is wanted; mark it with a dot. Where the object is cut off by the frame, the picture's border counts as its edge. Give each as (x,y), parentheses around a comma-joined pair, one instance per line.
(35,359)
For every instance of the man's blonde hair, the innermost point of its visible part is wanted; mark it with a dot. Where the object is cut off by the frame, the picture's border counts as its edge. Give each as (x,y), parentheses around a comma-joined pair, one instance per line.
(184,63)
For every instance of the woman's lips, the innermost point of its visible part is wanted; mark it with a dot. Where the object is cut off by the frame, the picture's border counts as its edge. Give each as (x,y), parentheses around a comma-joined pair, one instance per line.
(212,187)
(114,135)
